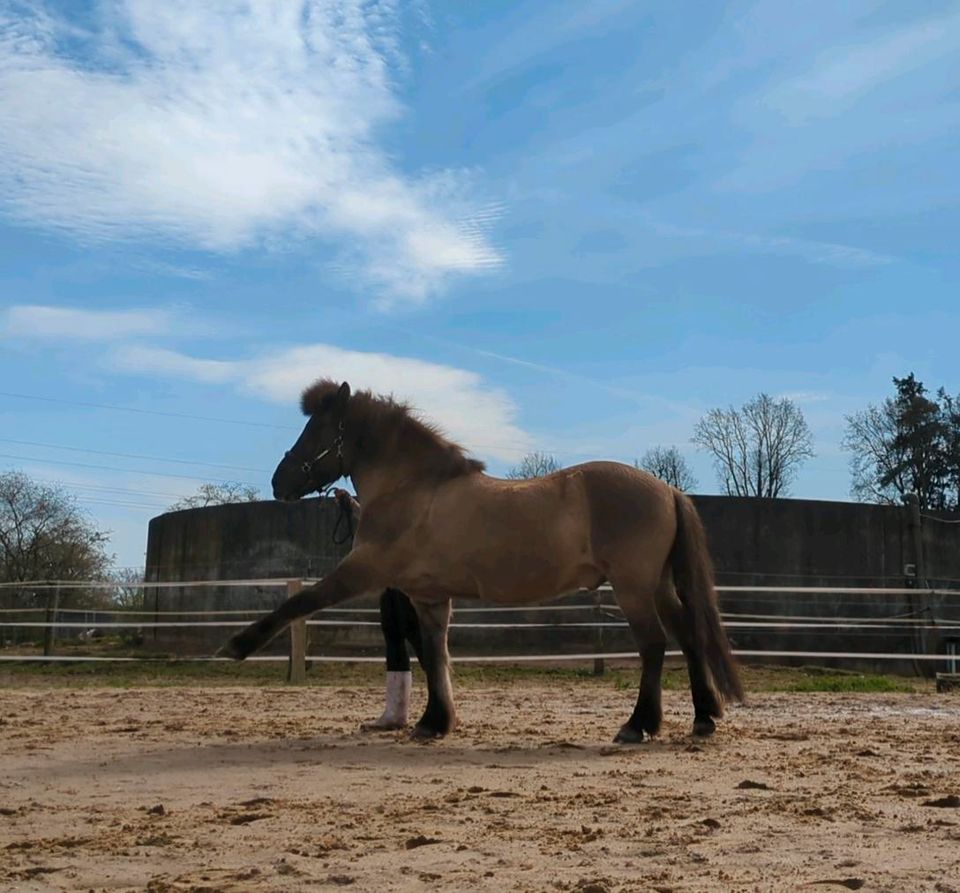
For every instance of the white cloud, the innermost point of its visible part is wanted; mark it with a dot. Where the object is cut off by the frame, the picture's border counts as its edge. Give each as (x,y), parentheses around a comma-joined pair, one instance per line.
(481,418)
(220,124)
(38,321)
(178,365)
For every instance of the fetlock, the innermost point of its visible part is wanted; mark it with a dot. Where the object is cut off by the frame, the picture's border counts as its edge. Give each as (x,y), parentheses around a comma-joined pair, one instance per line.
(397,706)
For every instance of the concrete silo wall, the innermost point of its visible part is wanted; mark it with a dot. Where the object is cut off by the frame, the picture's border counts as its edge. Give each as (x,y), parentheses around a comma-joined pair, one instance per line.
(240,541)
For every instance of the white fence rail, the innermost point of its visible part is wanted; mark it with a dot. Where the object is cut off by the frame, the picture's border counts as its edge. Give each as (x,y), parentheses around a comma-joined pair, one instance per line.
(604,616)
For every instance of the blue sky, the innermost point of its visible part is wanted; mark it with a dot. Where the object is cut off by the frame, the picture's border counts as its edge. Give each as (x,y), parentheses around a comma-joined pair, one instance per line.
(572,227)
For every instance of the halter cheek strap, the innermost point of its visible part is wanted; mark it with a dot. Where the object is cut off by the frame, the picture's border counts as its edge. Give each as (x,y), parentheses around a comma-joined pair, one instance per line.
(337,445)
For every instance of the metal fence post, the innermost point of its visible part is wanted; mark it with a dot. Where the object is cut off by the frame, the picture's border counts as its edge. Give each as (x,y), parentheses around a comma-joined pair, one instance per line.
(920,602)
(598,665)
(297,664)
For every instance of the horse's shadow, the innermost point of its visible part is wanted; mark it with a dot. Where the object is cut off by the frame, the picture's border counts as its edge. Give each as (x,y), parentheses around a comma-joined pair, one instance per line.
(359,751)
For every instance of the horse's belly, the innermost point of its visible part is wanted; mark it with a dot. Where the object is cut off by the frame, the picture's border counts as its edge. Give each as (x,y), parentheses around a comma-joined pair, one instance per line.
(515,562)
(498,580)
(542,589)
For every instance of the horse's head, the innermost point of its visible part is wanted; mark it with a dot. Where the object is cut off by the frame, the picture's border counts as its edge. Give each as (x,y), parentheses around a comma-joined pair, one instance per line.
(316,460)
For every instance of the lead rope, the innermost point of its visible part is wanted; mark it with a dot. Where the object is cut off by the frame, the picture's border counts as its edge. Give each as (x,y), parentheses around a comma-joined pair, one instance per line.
(344,513)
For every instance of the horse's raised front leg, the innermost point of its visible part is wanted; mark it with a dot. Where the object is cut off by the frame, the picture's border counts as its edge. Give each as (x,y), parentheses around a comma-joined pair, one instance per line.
(440,716)
(353,576)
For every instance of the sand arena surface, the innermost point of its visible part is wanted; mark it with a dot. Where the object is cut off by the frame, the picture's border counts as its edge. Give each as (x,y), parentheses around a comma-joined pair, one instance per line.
(253,789)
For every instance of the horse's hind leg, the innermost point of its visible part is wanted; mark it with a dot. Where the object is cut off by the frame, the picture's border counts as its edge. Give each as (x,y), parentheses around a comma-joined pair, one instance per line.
(706,704)
(639,607)
(440,717)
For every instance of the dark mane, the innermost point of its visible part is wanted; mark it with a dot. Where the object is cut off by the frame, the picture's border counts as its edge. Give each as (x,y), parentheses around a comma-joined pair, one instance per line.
(388,424)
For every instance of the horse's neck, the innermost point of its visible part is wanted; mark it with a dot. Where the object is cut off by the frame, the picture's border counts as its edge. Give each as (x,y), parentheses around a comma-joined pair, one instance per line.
(373,482)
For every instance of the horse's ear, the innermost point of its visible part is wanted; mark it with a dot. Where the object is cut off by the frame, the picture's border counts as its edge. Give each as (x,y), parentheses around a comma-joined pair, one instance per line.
(343,395)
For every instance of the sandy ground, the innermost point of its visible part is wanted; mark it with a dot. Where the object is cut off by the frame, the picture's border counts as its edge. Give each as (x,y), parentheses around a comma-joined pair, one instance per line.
(245,789)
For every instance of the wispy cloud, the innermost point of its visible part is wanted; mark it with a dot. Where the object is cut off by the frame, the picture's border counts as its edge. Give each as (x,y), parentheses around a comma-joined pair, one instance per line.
(829,253)
(841,75)
(219,125)
(482,418)
(165,269)
(805,397)
(627,394)
(64,323)
(542,31)
(849,100)
(160,361)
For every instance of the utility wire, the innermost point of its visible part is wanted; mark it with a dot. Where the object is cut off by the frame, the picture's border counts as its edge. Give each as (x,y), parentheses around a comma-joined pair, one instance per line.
(157,412)
(122,490)
(122,470)
(131,505)
(73,449)
(180,415)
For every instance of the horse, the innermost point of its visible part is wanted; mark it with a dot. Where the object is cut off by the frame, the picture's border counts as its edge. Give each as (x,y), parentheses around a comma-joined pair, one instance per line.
(436,526)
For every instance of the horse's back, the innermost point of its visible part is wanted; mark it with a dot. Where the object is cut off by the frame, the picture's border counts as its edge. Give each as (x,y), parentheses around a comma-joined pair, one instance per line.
(527,540)
(582,500)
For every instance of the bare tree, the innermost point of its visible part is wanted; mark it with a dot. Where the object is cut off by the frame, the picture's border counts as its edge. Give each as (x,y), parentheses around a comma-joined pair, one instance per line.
(217,494)
(758,448)
(44,536)
(869,438)
(534,465)
(128,592)
(668,464)
(950,410)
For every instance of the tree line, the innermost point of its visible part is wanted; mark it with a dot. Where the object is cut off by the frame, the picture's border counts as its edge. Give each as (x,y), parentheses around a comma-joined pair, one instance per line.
(46,536)
(908,443)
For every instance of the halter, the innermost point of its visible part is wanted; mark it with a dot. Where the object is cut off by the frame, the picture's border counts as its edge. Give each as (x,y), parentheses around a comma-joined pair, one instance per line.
(307,467)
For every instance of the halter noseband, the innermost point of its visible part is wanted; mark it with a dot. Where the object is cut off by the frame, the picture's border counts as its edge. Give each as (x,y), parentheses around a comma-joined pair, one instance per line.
(307,467)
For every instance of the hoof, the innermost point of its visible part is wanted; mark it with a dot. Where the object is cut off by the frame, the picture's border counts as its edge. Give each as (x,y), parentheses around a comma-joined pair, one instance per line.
(704,727)
(628,735)
(234,649)
(425,733)
(383,725)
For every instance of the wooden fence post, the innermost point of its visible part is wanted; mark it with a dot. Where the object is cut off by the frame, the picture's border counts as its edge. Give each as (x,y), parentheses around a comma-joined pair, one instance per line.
(53,605)
(297,664)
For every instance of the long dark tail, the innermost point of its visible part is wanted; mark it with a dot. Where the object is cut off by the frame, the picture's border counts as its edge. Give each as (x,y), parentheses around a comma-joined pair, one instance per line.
(693,577)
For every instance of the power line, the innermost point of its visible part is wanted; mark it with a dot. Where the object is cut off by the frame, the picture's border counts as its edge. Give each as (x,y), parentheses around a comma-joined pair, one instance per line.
(180,415)
(126,490)
(121,470)
(54,446)
(157,412)
(506,446)
(130,505)
(130,490)
(95,498)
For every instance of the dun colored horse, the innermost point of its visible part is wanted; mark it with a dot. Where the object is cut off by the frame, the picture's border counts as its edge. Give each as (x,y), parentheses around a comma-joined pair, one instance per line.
(434,525)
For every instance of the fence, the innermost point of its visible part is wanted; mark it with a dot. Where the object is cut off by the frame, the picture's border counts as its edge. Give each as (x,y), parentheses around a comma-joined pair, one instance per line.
(924,638)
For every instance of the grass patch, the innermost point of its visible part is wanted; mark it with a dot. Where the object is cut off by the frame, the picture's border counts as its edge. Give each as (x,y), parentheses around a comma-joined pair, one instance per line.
(621,676)
(851,682)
